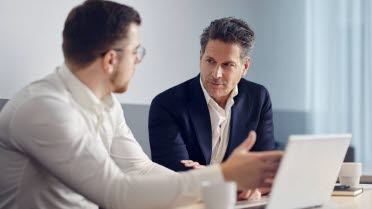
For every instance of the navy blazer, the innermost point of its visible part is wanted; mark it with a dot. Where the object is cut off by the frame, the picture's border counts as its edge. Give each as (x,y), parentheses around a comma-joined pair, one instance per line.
(180,126)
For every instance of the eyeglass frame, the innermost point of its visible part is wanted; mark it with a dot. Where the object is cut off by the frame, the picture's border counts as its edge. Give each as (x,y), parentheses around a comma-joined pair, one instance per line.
(141,52)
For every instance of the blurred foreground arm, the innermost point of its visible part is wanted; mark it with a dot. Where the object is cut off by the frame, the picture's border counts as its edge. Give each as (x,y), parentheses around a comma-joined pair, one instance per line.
(251,169)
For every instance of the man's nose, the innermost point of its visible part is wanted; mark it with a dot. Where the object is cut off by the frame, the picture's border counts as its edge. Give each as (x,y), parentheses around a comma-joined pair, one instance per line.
(217,72)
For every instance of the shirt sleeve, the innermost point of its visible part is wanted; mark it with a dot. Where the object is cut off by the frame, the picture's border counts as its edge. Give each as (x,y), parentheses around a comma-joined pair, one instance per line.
(127,152)
(52,133)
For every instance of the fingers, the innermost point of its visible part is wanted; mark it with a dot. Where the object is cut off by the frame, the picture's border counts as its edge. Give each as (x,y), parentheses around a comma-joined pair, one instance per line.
(264,190)
(186,161)
(267,183)
(271,167)
(191,164)
(248,143)
(245,194)
(250,194)
(268,175)
(273,156)
(256,195)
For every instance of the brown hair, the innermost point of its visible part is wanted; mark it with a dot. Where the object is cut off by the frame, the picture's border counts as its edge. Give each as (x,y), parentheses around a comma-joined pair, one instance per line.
(94,27)
(229,30)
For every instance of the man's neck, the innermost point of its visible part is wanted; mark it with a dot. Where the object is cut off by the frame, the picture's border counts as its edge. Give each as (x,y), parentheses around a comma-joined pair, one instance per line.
(221,101)
(90,77)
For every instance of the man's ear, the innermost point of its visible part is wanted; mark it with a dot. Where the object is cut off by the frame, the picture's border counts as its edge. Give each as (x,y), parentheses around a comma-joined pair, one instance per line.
(246,64)
(201,56)
(109,60)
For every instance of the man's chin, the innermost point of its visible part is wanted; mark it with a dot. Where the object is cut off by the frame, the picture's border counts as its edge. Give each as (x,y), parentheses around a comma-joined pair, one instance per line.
(216,94)
(121,89)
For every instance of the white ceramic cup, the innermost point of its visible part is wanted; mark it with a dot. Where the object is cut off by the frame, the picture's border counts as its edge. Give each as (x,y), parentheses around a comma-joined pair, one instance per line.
(219,195)
(350,174)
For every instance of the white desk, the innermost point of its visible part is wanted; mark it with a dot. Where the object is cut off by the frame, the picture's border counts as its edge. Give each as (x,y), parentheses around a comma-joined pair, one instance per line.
(362,201)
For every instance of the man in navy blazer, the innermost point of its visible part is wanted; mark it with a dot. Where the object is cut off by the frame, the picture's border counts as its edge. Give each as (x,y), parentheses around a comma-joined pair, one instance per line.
(201,121)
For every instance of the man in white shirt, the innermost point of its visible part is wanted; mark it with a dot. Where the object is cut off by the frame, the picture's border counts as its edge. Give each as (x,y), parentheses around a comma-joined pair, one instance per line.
(202,120)
(64,142)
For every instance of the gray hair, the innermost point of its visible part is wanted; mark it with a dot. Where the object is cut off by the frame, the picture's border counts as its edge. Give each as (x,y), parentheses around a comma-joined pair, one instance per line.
(229,30)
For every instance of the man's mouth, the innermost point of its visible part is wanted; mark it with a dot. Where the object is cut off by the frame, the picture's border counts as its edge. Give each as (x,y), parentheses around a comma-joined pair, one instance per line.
(216,83)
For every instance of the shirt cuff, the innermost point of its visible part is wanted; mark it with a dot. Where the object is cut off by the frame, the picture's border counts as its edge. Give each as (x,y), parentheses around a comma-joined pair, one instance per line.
(192,183)
(211,174)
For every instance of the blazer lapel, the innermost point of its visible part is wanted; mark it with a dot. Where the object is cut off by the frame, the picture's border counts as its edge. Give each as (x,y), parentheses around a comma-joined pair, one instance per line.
(200,118)
(237,125)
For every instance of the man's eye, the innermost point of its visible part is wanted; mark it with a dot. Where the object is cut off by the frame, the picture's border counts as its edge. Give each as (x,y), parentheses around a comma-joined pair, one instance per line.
(232,65)
(210,61)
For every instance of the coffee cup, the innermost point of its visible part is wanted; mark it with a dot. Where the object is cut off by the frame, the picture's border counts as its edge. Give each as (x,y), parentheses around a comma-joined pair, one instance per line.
(350,174)
(219,195)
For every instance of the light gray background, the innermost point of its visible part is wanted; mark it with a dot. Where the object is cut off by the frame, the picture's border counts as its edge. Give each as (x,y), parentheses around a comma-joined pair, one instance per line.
(31,40)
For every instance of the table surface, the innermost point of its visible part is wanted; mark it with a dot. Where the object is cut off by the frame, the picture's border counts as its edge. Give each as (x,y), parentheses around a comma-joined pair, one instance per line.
(362,201)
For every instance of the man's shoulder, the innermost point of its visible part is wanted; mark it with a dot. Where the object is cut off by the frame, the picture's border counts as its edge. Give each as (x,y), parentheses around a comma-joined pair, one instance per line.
(251,88)
(39,93)
(178,93)
(49,86)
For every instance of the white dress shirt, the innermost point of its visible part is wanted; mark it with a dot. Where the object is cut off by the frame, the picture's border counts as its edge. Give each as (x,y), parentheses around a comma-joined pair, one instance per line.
(220,124)
(62,147)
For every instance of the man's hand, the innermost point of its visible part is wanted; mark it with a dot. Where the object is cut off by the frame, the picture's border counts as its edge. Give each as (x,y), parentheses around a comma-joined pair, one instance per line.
(251,169)
(264,191)
(191,164)
(252,194)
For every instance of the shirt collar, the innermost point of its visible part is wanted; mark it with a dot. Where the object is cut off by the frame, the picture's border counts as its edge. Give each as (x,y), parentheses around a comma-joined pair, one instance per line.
(230,100)
(82,94)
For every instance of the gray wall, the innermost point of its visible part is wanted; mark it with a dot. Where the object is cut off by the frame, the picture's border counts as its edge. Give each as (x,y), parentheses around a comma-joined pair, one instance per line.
(285,123)
(31,44)
(137,117)
(31,48)
(278,60)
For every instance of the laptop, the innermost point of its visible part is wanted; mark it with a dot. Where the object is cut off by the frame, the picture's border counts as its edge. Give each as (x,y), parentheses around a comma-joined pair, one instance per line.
(307,173)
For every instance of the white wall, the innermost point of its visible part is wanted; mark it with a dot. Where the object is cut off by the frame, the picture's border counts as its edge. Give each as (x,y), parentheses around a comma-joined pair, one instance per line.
(279,54)
(30,43)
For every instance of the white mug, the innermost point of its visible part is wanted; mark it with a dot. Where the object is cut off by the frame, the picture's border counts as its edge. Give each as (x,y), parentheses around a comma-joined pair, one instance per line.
(219,195)
(350,174)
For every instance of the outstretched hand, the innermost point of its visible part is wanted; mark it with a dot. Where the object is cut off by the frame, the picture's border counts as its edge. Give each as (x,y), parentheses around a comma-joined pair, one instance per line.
(251,169)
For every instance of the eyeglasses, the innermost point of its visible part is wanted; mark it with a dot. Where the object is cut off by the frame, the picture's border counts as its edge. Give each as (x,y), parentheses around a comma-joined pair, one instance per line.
(140,52)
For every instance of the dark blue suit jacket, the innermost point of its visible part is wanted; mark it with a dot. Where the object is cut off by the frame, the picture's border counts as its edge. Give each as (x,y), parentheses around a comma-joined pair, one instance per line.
(180,126)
